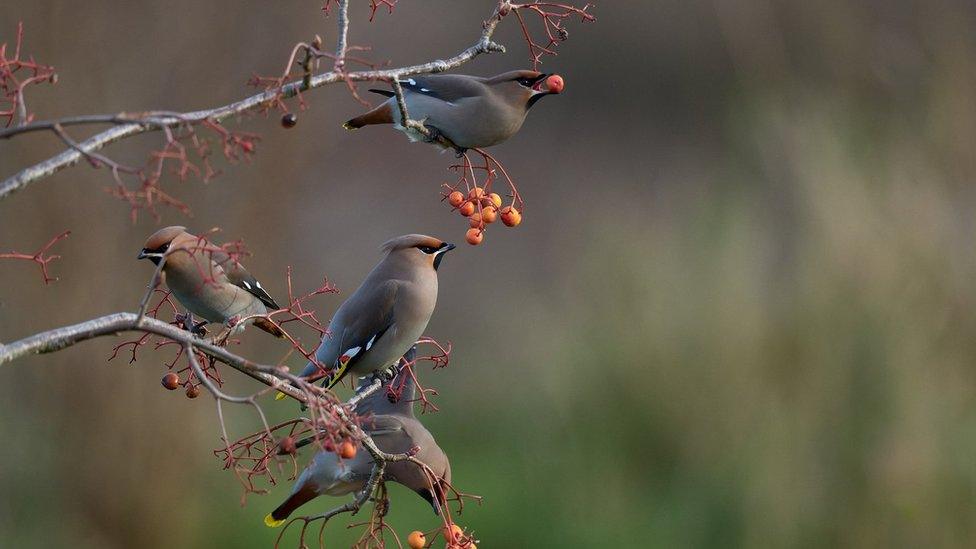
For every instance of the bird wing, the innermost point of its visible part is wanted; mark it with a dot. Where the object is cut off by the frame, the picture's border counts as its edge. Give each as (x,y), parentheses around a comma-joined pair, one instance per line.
(446,87)
(365,326)
(378,426)
(238,276)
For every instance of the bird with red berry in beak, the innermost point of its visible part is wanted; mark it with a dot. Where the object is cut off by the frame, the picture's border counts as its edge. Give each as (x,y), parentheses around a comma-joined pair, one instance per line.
(469,111)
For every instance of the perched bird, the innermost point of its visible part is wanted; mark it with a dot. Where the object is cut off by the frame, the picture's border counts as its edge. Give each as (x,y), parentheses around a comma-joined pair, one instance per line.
(470,111)
(396,430)
(207,281)
(383,318)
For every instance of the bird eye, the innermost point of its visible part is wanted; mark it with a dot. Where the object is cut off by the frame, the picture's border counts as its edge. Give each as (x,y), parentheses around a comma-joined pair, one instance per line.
(164,247)
(525,82)
(427,249)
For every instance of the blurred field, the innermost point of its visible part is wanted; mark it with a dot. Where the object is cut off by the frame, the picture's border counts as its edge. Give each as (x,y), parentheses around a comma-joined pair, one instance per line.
(739,312)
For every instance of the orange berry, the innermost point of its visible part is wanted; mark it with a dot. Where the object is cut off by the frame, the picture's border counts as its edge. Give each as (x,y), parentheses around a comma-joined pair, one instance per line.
(489,214)
(454,534)
(466,209)
(476,193)
(416,540)
(455,198)
(192,391)
(171,381)
(495,199)
(511,216)
(347,450)
(474,236)
(475,219)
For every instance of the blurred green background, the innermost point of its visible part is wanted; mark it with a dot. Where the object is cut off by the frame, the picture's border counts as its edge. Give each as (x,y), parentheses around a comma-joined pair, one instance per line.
(739,311)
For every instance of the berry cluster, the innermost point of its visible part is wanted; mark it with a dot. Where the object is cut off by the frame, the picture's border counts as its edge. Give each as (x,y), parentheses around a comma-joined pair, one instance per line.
(482,209)
(453,535)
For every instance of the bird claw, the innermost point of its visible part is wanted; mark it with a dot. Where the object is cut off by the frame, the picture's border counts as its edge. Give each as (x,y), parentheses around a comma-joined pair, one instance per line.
(434,135)
(195,328)
(389,373)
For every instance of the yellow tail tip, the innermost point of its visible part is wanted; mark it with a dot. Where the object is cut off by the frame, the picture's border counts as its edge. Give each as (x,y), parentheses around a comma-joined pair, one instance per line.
(349,126)
(279,396)
(270,522)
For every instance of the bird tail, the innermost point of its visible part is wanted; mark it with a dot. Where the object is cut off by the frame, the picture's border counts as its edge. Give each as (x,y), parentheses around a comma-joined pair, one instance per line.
(380,115)
(277,517)
(268,326)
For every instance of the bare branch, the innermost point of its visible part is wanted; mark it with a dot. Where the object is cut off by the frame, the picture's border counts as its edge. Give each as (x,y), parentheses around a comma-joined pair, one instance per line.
(113,324)
(40,256)
(255,102)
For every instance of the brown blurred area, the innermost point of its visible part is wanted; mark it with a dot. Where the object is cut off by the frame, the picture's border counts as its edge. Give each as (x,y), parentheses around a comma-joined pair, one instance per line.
(739,310)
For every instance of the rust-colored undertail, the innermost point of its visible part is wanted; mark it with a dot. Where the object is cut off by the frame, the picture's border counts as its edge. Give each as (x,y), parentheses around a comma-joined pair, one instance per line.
(294,501)
(380,115)
(269,327)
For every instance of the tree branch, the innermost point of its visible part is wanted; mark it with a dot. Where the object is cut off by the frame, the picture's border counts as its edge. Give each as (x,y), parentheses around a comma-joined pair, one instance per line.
(117,323)
(127,128)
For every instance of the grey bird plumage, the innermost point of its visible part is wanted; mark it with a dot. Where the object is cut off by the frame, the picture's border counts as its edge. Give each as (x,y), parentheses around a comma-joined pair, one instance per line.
(206,280)
(395,429)
(470,111)
(386,315)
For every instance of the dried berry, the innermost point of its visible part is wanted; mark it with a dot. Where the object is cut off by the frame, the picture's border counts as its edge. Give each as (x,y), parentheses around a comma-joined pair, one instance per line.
(171,381)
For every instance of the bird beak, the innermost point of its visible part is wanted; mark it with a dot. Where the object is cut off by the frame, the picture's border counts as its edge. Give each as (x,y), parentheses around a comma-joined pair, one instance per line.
(549,83)
(447,247)
(145,254)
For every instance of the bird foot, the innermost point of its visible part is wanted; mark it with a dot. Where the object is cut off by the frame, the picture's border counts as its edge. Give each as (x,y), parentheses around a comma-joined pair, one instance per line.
(196,328)
(434,135)
(389,373)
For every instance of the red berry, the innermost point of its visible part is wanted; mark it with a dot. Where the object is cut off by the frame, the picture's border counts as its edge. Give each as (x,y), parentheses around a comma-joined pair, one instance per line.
(474,236)
(455,199)
(466,209)
(476,193)
(289,120)
(511,216)
(171,381)
(475,219)
(192,391)
(489,214)
(347,450)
